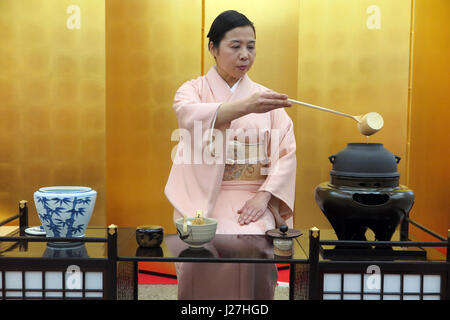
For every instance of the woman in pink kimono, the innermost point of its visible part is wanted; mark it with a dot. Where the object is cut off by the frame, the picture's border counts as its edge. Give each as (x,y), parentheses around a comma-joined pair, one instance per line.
(235,161)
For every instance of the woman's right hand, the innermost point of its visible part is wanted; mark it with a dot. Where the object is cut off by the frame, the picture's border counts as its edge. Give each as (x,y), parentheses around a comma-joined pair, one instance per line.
(265,101)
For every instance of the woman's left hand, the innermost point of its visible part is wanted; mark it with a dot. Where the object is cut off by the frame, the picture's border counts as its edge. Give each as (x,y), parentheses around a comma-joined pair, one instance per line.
(254,208)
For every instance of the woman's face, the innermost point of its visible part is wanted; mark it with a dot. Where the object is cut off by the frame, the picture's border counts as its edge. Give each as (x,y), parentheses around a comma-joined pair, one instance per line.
(235,54)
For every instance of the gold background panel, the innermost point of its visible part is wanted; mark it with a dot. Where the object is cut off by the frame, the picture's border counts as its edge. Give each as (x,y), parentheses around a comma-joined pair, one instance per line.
(430,145)
(347,64)
(152,47)
(52,101)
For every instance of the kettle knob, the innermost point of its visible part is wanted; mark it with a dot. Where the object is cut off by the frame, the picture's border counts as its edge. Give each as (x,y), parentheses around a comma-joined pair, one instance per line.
(284,228)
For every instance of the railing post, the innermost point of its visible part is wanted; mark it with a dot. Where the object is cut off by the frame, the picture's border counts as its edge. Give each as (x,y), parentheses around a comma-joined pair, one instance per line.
(23,217)
(314,248)
(448,245)
(112,261)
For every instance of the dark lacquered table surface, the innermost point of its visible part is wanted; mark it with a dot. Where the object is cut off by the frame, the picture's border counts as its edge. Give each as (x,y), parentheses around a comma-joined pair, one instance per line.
(223,248)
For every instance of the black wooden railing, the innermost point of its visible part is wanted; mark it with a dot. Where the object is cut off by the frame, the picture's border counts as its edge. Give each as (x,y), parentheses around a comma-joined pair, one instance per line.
(315,248)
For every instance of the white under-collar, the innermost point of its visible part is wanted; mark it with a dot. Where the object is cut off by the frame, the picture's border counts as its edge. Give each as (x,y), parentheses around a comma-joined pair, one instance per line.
(233,88)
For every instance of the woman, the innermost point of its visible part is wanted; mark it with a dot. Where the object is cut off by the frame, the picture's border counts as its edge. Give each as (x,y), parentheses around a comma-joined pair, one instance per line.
(246,194)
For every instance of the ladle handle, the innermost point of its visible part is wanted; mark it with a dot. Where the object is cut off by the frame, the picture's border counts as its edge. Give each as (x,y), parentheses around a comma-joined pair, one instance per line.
(322,108)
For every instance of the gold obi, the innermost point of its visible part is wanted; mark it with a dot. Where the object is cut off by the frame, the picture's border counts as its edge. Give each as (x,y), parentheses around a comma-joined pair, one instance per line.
(245,161)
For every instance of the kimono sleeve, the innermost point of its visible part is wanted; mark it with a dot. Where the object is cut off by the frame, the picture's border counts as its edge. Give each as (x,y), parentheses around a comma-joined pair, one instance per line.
(281,173)
(193,184)
(189,107)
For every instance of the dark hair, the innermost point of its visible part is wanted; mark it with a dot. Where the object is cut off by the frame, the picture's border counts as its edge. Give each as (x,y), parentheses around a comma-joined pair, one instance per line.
(224,22)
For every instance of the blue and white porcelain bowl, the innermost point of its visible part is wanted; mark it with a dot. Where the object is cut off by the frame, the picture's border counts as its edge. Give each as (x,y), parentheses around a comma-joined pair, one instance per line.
(65,211)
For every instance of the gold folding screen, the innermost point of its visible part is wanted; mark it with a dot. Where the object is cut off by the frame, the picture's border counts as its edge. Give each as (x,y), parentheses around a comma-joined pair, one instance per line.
(353,56)
(152,47)
(58,124)
(349,55)
(52,100)
(429,170)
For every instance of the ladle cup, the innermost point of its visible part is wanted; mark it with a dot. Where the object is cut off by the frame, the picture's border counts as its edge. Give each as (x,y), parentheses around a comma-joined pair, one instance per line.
(368,123)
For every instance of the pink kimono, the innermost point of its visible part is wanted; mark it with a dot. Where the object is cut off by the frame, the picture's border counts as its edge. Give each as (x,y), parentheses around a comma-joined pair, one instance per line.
(222,187)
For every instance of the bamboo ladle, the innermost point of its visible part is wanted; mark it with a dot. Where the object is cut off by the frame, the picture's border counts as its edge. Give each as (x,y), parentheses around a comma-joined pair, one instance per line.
(368,123)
